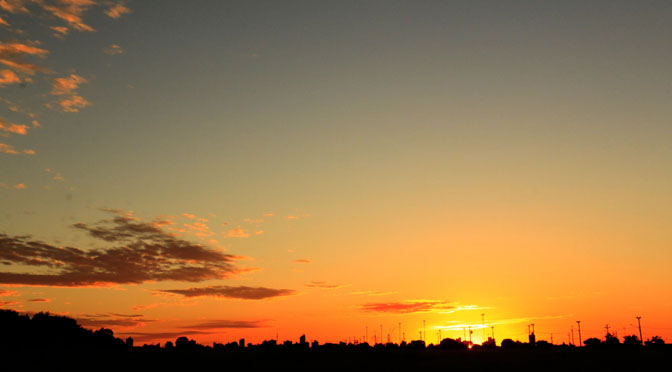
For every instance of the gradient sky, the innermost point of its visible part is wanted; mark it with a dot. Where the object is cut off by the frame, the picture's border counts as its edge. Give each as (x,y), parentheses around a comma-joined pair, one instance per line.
(250,169)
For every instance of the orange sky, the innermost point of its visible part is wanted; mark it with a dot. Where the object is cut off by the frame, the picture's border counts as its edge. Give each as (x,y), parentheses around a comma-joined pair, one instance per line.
(270,170)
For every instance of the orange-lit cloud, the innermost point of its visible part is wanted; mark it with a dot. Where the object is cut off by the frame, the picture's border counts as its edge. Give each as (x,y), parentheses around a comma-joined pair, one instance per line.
(407,307)
(12,55)
(9,149)
(73,104)
(13,6)
(241,292)
(237,233)
(117,10)
(8,77)
(303,261)
(59,31)
(71,11)
(6,126)
(67,85)
(325,285)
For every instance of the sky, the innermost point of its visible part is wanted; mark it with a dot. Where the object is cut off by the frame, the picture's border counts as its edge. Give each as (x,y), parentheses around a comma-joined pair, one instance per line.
(339,169)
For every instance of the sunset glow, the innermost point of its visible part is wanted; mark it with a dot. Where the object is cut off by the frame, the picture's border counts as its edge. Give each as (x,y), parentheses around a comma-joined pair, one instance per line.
(350,171)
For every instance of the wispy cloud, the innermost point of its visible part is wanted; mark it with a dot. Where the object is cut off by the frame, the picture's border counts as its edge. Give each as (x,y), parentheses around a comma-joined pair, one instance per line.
(226,324)
(241,292)
(407,307)
(113,49)
(112,320)
(117,10)
(325,285)
(303,261)
(39,300)
(9,149)
(13,55)
(71,11)
(237,233)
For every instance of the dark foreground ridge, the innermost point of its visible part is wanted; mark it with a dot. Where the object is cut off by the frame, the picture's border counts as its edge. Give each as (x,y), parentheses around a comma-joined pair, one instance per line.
(58,341)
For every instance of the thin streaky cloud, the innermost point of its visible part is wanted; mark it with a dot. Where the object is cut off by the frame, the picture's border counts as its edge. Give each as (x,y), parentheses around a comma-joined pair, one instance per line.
(240,292)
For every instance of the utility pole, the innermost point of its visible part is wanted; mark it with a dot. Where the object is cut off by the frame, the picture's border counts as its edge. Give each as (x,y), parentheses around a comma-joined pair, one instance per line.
(580,340)
(483,322)
(573,343)
(493,333)
(639,323)
(607,328)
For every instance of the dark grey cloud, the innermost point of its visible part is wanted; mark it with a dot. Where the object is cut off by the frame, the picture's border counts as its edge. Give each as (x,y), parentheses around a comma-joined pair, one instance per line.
(225,324)
(241,292)
(112,320)
(141,252)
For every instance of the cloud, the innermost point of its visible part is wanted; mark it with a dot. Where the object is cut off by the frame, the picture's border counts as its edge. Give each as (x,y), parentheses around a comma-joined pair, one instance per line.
(226,324)
(18,186)
(12,55)
(7,293)
(371,293)
(189,215)
(407,307)
(199,229)
(4,23)
(113,49)
(67,85)
(117,10)
(71,11)
(6,126)
(9,149)
(73,104)
(237,233)
(59,31)
(303,261)
(13,6)
(142,252)
(325,285)
(56,176)
(112,320)
(292,217)
(241,292)
(40,300)
(8,77)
